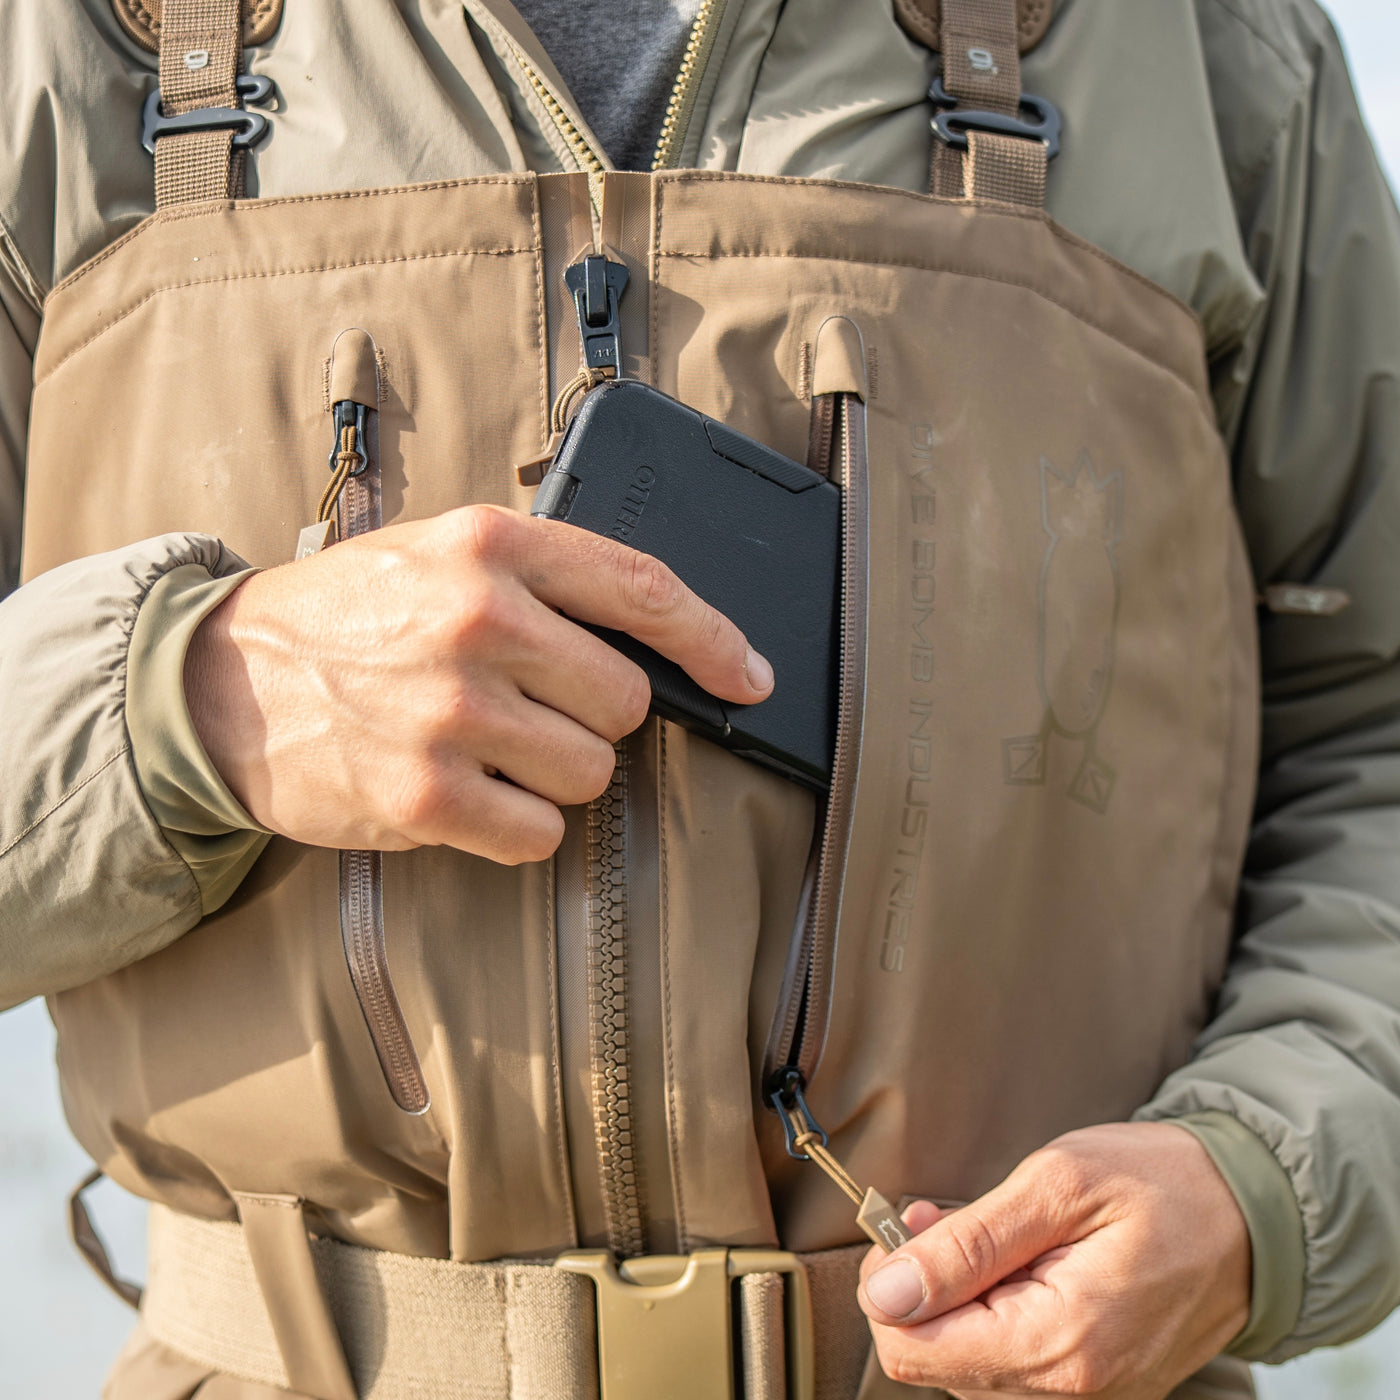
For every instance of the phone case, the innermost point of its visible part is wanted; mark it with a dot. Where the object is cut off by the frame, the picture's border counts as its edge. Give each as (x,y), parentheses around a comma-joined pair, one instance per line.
(754,533)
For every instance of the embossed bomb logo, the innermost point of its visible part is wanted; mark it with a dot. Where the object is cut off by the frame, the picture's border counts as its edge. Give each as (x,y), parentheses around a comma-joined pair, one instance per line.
(1078,614)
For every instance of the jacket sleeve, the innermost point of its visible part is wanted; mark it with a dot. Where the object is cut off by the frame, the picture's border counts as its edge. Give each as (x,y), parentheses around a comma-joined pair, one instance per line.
(1304,1050)
(90,879)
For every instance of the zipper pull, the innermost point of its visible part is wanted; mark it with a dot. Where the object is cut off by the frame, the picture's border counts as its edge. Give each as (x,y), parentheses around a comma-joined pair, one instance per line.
(597,284)
(807,1142)
(349,457)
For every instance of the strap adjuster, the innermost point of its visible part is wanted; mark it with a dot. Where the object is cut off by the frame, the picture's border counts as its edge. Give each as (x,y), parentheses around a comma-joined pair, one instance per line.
(952,124)
(248,127)
(665,1322)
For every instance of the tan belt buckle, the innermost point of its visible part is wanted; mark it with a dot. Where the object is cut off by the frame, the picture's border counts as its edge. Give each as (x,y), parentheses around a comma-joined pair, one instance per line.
(665,1321)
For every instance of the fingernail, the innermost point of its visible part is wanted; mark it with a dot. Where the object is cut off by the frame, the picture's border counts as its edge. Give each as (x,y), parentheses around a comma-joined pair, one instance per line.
(759,672)
(897,1289)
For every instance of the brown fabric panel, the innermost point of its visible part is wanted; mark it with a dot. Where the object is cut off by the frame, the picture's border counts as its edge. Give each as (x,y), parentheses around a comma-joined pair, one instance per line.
(198,165)
(141,19)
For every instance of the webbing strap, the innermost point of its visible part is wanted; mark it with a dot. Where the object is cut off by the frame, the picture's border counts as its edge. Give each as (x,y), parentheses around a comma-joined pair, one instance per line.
(980,43)
(429,1329)
(200,56)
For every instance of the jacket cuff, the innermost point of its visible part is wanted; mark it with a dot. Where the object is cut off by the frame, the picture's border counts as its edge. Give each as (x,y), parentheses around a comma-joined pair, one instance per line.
(197,813)
(1275,1223)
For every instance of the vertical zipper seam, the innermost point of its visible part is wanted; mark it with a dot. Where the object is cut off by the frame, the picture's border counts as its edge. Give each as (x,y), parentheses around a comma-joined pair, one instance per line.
(668,1050)
(361,881)
(561,1144)
(609,1048)
(681,105)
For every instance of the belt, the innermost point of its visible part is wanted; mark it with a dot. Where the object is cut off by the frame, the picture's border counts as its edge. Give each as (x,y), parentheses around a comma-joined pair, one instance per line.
(782,1326)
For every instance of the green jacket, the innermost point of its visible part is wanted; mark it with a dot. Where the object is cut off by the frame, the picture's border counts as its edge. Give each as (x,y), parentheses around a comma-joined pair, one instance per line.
(1213,146)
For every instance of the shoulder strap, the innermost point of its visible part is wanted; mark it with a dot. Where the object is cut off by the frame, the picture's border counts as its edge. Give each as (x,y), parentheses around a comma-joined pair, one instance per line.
(201,53)
(981,42)
(141,20)
(923,20)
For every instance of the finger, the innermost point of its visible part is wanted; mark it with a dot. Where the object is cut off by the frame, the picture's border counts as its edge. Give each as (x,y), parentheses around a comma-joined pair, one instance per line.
(1022,1340)
(968,1251)
(482,815)
(918,1216)
(598,580)
(545,752)
(570,670)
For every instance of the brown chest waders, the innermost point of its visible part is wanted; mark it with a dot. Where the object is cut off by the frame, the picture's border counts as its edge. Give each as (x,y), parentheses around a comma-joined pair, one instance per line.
(1011,914)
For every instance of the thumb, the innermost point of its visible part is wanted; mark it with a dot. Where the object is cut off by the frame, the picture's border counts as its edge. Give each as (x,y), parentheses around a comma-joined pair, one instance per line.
(964,1253)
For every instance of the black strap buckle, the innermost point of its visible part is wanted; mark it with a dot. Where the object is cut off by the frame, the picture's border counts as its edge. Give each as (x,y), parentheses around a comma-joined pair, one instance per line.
(249,127)
(951,125)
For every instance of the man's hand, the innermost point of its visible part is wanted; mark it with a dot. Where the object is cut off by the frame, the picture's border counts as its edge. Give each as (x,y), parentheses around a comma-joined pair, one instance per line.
(1113,1262)
(418,686)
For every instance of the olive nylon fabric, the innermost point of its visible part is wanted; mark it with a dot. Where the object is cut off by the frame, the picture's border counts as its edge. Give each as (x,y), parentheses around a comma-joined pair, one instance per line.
(1257,90)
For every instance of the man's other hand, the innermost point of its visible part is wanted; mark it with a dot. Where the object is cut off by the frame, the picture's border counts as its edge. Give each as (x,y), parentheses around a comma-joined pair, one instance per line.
(419,686)
(1114,1262)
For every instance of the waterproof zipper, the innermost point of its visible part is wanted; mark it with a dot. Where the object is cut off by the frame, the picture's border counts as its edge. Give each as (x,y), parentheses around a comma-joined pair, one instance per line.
(586,157)
(804,1008)
(686,92)
(352,493)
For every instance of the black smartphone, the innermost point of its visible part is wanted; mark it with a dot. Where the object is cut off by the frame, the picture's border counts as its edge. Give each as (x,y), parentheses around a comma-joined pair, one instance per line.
(754,533)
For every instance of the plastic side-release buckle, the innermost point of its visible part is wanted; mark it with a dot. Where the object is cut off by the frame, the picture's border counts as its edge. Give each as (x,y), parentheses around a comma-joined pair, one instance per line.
(951,124)
(248,127)
(665,1321)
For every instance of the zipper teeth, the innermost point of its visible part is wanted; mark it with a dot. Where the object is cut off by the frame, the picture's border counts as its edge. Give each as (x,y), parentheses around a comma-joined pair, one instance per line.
(686,89)
(370,975)
(362,905)
(583,153)
(838,815)
(607,1016)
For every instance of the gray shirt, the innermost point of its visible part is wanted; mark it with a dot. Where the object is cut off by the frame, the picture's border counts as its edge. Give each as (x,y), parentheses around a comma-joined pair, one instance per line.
(620,62)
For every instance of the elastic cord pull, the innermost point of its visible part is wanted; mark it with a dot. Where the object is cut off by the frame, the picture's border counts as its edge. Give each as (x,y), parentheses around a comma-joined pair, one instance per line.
(807,1142)
(348,457)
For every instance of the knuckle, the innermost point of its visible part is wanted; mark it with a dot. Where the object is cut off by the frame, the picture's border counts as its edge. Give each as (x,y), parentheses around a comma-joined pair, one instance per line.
(532,841)
(584,771)
(650,587)
(597,767)
(485,616)
(1084,1373)
(634,701)
(975,1242)
(902,1368)
(487,532)
(1064,1173)
(421,800)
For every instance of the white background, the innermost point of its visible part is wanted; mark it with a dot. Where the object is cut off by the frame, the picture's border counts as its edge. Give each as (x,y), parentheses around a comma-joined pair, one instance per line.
(59,1327)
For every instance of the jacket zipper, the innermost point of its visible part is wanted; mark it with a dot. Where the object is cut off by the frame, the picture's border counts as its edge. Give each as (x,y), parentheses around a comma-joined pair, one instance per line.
(680,107)
(686,92)
(354,479)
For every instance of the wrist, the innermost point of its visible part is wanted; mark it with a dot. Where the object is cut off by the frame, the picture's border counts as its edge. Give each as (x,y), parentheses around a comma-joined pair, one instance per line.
(220,699)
